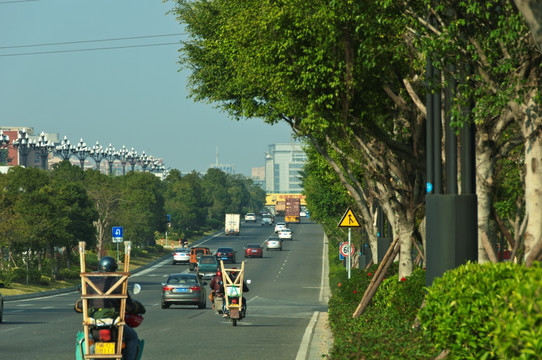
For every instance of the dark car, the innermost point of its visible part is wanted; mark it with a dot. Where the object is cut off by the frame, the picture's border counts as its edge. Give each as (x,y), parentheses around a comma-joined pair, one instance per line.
(184,289)
(207,266)
(253,250)
(226,254)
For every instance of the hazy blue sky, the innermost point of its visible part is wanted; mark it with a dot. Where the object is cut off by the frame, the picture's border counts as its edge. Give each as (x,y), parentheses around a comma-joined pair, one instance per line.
(133,96)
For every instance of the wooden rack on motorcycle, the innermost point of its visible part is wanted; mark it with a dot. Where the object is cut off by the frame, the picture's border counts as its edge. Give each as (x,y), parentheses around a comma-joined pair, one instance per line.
(104,349)
(233,291)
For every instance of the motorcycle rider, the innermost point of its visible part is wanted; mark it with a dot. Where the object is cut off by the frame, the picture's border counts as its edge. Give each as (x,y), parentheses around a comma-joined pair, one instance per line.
(217,286)
(103,283)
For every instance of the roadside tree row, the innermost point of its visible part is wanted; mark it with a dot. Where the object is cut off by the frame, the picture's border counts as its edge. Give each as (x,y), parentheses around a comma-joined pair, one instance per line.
(45,214)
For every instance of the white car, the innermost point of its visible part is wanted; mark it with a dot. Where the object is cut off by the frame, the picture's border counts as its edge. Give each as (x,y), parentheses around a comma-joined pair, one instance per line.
(250,217)
(279,226)
(285,234)
(181,256)
(273,242)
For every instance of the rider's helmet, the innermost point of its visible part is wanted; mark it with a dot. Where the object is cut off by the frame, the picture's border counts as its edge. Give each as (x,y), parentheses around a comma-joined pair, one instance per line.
(107,264)
(218,273)
(133,320)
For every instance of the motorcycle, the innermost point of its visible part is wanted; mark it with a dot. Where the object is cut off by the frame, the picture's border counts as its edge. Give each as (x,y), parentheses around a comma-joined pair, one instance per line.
(104,333)
(233,306)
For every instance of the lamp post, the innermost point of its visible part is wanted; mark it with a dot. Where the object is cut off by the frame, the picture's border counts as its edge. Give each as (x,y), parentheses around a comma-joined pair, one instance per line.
(97,153)
(132,158)
(4,143)
(110,154)
(146,160)
(64,149)
(24,146)
(81,151)
(123,157)
(44,147)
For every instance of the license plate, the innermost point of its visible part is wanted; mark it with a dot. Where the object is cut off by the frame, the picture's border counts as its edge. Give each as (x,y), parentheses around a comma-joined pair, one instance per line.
(180,290)
(104,348)
(254,250)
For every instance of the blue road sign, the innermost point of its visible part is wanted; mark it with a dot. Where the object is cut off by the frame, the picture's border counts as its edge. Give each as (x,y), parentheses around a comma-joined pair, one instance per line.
(117,233)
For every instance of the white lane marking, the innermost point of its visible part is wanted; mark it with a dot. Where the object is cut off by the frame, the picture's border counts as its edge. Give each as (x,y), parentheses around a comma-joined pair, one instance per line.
(152,268)
(13,328)
(305,342)
(47,307)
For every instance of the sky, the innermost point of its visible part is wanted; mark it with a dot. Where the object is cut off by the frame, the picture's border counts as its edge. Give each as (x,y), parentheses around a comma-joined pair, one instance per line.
(117,92)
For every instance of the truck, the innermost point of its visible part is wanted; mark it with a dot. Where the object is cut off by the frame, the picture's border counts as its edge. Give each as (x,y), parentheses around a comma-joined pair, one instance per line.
(280,207)
(293,206)
(232,224)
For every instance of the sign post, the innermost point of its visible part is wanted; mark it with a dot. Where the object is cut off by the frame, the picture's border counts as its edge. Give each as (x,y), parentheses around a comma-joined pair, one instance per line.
(349,220)
(117,238)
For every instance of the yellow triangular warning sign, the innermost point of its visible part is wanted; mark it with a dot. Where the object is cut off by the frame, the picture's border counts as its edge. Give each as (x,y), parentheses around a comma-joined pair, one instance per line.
(349,220)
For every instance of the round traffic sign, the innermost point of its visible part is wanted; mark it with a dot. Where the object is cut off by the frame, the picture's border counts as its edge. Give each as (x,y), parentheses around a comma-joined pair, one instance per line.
(347,250)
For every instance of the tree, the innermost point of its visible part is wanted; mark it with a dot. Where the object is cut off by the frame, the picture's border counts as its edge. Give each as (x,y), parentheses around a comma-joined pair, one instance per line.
(106,196)
(141,207)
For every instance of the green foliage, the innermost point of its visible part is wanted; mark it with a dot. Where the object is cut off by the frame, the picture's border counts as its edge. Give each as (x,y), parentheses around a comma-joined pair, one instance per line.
(384,330)
(486,311)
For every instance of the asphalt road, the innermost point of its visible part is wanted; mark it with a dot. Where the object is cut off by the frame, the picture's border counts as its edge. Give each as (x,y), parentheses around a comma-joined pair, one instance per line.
(285,293)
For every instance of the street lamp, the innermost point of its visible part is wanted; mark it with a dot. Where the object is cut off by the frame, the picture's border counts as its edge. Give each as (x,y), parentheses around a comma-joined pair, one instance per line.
(146,160)
(110,154)
(81,151)
(64,149)
(97,153)
(4,143)
(123,157)
(132,158)
(24,146)
(44,147)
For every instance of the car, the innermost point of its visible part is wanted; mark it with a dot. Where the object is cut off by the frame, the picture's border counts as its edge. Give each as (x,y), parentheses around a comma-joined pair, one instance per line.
(273,242)
(280,226)
(285,234)
(267,219)
(250,217)
(226,254)
(303,214)
(181,256)
(207,266)
(195,253)
(253,250)
(1,305)
(184,289)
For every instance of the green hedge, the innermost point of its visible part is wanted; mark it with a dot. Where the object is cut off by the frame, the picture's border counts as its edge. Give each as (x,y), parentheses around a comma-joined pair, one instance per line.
(490,311)
(384,330)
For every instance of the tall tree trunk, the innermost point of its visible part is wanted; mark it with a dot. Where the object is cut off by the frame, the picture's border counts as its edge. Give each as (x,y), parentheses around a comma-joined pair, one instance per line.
(531,128)
(485,186)
(405,228)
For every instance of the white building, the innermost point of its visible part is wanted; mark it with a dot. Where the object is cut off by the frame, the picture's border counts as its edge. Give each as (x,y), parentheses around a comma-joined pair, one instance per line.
(282,165)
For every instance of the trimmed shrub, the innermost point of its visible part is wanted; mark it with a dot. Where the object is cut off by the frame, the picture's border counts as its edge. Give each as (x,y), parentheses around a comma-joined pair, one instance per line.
(485,311)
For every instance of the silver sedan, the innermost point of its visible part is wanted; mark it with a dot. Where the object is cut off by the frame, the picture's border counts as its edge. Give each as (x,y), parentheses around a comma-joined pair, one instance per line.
(184,289)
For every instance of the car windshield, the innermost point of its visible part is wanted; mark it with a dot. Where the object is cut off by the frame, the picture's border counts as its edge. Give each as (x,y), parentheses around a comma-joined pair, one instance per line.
(200,251)
(181,250)
(182,280)
(207,260)
(253,246)
(224,250)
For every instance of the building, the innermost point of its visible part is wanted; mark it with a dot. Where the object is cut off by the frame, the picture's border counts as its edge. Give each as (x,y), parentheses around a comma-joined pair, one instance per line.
(282,165)
(258,176)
